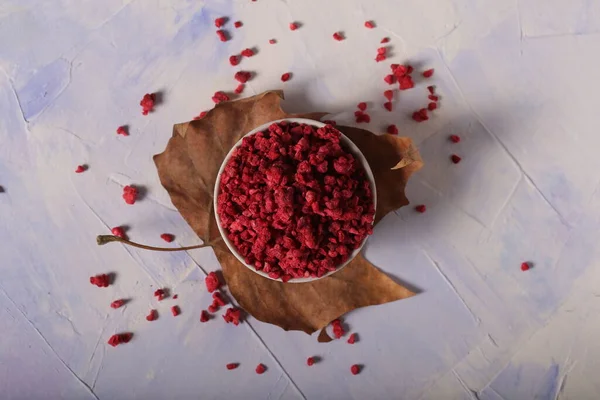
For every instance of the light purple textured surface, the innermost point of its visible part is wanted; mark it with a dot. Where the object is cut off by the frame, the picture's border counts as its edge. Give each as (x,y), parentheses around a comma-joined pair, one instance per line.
(518,81)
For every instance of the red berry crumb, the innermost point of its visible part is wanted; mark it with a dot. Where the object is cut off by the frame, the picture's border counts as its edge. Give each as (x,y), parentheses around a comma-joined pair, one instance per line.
(175,311)
(428,73)
(362,117)
(310,361)
(160,294)
(369,24)
(119,231)
(405,82)
(455,159)
(247,52)
(147,103)
(242,76)
(212,282)
(352,338)
(260,368)
(234,60)
(167,237)
(355,369)
(219,97)
(232,315)
(421,208)
(175,296)
(362,106)
(338,329)
(433,98)
(338,36)
(389,94)
(231,366)
(80,169)
(238,24)
(201,115)
(152,316)
(285,77)
(525,266)
(204,316)
(219,299)
(431,106)
(213,308)
(117,303)
(219,22)
(390,79)
(388,105)
(385,40)
(130,194)
(122,130)
(293,26)
(239,89)
(272,41)
(392,129)
(222,35)
(100,280)
(431,89)
(119,338)
(420,115)
(454,138)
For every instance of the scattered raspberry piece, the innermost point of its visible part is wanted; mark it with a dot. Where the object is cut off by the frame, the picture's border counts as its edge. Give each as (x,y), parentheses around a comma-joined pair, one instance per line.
(247,52)
(285,77)
(167,237)
(409,69)
(219,97)
(338,36)
(338,329)
(272,41)
(381,50)
(80,169)
(362,106)
(369,24)
(310,361)
(455,159)
(234,60)
(431,106)
(428,73)
(355,369)
(204,316)
(260,369)
(293,26)
(392,129)
(161,294)
(119,231)
(239,89)
(147,103)
(130,194)
(389,94)
(152,316)
(380,57)
(201,115)
(175,296)
(212,282)
(406,82)
(390,79)
(238,24)
(119,338)
(433,98)
(420,115)
(388,105)
(219,22)
(525,266)
(232,366)
(219,299)
(454,138)
(352,338)
(362,117)
(117,303)
(122,130)
(232,315)
(213,308)
(421,208)
(431,89)
(242,76)
(100,280)
(385,40)
(222,35)
(175,311)
(399,70)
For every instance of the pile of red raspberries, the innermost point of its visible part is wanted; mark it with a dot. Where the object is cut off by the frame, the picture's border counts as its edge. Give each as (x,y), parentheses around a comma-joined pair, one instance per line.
(294,202)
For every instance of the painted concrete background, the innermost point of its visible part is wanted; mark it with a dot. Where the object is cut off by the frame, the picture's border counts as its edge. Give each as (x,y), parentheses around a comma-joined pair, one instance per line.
(519,82)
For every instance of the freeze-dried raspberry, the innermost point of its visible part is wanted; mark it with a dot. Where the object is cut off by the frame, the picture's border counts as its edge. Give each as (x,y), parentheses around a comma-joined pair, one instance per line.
(247,52)
(219,97)
(455,159)
(286,77)
(147,103)
(388,94)
(352,338)
(362,106)
(369,24)
(240,88)
(454,138)
(390,79)
(175,311)
(385,40)
(80,169)
(119,231)
(201,115)
(119,338)
(421,208)
(242,76)
(388,105)
(293,26)
(100,280)
(272,41)
(355,369)
(234,60)
(420,115)
(392,129)
(213,308)
(525,266)
(362,117)
(338,329)
(405,82)
(122,130)
(212,282)
(338,36)
(204,316)
(238,24)
(222,35)
(381,52)
(431,89)
(161,294)
(428,73)
(219,22)
(219,299)
(152,316)
(175,296)
(433,98)
(231,366)
(167,237)
(310,361)
(260,369)
(232,315)
(130,194)
(431,106)
(399,70)
(117,303)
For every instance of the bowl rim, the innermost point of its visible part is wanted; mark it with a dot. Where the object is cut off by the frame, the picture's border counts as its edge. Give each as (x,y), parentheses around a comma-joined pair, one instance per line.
(346,141)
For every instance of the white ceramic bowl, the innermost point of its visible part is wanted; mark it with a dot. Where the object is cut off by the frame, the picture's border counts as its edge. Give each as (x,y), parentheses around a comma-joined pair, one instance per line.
(346,142)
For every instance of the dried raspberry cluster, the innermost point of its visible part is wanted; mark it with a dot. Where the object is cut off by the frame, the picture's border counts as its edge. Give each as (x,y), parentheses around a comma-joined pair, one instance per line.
(294,202)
